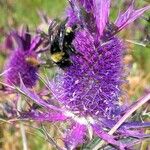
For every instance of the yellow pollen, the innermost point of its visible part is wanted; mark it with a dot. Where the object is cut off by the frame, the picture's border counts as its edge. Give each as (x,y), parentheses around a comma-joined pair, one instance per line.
(57,57)
(68,30)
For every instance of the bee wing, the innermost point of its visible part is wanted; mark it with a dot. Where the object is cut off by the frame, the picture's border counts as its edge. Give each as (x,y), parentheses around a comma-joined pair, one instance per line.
(62,32)
(52,30)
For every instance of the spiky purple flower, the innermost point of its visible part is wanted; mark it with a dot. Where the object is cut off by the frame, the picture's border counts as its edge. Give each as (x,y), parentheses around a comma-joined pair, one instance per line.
(22,62)
(91,86)
(88,91)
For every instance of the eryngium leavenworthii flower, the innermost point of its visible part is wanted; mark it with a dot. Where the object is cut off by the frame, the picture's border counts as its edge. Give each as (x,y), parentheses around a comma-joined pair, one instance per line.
(22,63)
(92,85)
(88,91)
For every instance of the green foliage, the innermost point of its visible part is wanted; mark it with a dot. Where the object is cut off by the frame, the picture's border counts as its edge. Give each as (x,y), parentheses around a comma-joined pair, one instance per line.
(142,55)
(18,12)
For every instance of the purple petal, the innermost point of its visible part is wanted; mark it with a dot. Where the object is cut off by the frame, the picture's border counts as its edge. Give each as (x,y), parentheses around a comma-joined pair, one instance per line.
(35,43)
(127,125)
(102,9)
(125,128)
(33,96)
(38,116)
(75,136)
(129,16)
(72,17)
(136,125)
(87,4)
(129,112)
(26,37)
(108,138)
(74,13)
(18,40)
(134,134)
(9,43)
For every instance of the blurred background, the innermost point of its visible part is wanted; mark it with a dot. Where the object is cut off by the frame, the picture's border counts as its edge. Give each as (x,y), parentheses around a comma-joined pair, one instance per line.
(14,13)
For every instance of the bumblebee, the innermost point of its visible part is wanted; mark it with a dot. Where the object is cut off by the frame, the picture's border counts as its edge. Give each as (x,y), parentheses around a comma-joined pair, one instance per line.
(61,47)
(32,61)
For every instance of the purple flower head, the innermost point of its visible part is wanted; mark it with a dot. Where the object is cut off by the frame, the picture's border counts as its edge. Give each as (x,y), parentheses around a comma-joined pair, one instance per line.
(92,85)
(22,63)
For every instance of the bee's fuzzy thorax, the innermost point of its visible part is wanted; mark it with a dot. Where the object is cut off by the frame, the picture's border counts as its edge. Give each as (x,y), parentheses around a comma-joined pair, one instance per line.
(57,57)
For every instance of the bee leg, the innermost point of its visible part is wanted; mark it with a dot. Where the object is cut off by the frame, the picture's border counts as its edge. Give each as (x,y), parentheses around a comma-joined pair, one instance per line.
(62,33)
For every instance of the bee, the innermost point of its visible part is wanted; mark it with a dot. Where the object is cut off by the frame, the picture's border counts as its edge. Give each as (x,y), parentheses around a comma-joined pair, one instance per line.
(61,47)
(32,61)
